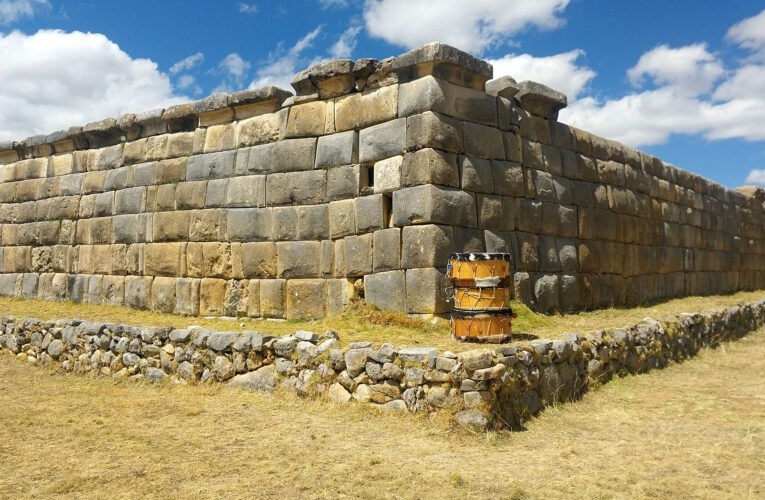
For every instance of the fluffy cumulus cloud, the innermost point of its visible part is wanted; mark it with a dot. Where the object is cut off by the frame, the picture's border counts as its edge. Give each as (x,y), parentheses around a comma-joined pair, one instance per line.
(756,177)
(472,26)
(52,80)
(560,71)
(749,33)
(284,62)
(691,69)
(13,10)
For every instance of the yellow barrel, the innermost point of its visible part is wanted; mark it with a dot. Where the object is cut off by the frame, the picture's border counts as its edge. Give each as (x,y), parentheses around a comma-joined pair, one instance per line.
(479,269)
(494,328)
(481,291)
(482,299)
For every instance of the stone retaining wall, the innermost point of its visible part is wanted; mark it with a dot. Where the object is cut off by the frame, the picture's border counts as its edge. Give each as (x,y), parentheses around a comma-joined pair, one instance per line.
(260,203)
(483,388)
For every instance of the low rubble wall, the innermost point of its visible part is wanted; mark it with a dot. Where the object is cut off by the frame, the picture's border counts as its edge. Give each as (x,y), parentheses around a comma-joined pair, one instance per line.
(484,388)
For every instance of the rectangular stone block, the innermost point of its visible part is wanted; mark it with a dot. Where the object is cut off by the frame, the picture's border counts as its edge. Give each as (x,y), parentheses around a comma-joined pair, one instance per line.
(433,130)
(210,166)
(313,222)
(253,298)
(386,290)
(187,296)
(427,245)
(143,174)
(299,188)
(261,129)
(293,155)
(338,265)
(358,255)
(491,212)
(129,201)
(426,291)
(371,213)
(104,204)
(508,178)
(363,109)
(386,246)
(468,240)
(387,174)
(306,299)
(248,224)
(476,174)
(346,181)
(259,260)
(434,94)
(165,259)
(433,204)
(215,196)
(272,298)
(207,225)
(483,142)
(339,292)
(429,166)
(208,260)
(285,223)
(171,226)
(306,119)
(383,140)
(211,296)
(131,228)
(298,259)
(337,149)
(247,191)
(342,220)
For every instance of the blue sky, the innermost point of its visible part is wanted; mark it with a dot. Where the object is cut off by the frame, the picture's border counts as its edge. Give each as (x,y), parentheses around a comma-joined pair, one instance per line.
(684,80)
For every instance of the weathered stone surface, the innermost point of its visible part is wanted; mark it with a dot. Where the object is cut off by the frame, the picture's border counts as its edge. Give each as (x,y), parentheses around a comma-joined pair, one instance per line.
(504,86)
(262,380)
(472,419)
(540,99)
(338,149)
(386,290)
(443,61)
(432,204)
(428,166)
(383,141)
(428,245)
(338,394)
(387,249)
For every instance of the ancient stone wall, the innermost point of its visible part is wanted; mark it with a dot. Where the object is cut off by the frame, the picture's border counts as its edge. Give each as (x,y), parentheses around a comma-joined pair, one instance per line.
(260,203)
(483,388)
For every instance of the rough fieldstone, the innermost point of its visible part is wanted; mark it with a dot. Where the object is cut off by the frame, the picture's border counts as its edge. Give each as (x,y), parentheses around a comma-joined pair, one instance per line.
(443,397)
(338,394)
(472,419)
(220,341)
(154,374)
(261,380)
(355,361)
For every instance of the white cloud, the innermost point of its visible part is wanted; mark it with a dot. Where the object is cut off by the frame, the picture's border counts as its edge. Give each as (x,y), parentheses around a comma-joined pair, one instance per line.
(749,33)
(234,70)
(283,64)
(472,26)
(52,80)
(13,10)
(246,8)
(187,63)
(346,44)
(756,177)
(559,71)
(186,81)
(689,69)
(325,4)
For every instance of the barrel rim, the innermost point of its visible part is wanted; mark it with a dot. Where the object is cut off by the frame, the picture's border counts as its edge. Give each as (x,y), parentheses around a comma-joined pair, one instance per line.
(505,282)
(475,314)
(473,256)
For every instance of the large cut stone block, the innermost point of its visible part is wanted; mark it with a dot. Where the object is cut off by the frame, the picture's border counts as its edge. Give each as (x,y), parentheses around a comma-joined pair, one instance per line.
(342,220)
(272,298)
(434,130)
(371,213)
(138,291)
(433,204)
(187,296)
(210,166)
(212,293)
(428,245)
(426,291)
(171,226)
(305,299)
(249,224)
(358,255)
(483,142)
(298,259)
(313,222)
(345,181)
(429,166)
(306,119)
(434,94)
(383,140)
(363,109)
(293,155)
(285,223)
(296,188)
(387,249)
(476,174)
(165,259)
(338,149)
(259,260)
(387,291)
(247,191)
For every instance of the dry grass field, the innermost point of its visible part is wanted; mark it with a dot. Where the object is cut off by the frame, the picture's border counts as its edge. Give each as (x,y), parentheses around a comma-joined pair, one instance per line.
(695,430)
(362,323)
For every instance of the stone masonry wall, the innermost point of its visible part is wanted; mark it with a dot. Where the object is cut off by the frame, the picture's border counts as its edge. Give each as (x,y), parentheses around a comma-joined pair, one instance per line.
(260,203)
(483,388)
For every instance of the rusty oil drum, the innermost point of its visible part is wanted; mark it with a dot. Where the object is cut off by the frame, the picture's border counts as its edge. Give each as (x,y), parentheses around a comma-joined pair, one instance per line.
(481,291)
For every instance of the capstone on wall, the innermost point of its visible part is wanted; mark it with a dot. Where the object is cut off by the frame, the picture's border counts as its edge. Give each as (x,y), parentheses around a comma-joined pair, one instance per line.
(261,203)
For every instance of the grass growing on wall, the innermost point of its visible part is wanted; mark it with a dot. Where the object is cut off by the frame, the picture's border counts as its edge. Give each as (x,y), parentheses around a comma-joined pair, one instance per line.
(363,323)
(694,430)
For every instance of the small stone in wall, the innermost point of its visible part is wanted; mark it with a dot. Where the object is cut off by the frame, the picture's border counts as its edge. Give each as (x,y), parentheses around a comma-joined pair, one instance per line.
(472,419)
(338,394)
